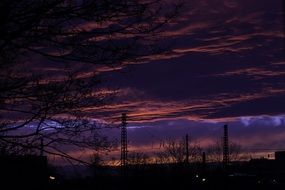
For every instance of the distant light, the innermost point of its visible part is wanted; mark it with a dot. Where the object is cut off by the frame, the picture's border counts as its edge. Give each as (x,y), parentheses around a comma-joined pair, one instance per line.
(204,179)
(51,177)
(197,176)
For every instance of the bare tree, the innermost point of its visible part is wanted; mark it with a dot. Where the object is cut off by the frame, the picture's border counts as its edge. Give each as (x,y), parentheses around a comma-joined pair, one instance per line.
(215,151)
(137,158)
(45,109)
(96,160)
(235,151)
(78,30)
(162,158)
(175,152)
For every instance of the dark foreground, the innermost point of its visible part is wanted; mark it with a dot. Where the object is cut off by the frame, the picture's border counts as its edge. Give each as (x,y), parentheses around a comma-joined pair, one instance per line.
(256,174)
(176,182)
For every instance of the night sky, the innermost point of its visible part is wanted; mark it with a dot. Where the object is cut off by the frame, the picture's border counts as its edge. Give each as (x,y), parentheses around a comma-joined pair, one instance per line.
(225,65)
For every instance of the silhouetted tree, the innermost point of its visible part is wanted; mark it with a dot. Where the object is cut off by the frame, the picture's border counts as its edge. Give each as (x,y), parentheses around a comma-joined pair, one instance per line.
(215,152)
(137,158)
(161,158)
(174,151)
(96,160)
(96,163)
(45,108)
(235,151)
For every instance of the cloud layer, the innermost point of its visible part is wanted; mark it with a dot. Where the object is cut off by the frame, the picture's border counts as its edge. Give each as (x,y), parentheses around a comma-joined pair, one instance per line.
(227,61)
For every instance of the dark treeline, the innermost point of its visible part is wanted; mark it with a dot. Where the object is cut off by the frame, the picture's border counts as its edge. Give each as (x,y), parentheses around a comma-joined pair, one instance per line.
(254,174)
(33,172)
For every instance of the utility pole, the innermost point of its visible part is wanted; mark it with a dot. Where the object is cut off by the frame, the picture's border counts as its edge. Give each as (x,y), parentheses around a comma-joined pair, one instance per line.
(225,147)
(124,144)
(187,149)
